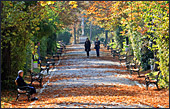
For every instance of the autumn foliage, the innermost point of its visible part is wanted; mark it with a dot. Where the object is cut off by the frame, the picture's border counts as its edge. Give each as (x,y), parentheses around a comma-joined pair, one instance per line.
(24,23)
(139,20)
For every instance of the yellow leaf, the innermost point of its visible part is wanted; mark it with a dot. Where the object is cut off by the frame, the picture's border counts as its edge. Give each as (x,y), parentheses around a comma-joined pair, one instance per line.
(14,33)
(71,3)
(50,19)
(75,6)
(10,4)
(43,4)
(48,2)
(37,28)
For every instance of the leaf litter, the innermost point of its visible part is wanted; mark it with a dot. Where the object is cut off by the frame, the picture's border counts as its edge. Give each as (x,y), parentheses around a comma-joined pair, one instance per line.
(80,82)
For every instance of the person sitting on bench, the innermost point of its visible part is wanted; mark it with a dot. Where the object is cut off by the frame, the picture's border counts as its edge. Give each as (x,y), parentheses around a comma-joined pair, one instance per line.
(20,82)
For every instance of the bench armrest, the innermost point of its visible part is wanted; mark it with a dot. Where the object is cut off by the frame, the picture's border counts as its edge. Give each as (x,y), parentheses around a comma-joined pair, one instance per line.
(147,78)
(20,87)
(33,74)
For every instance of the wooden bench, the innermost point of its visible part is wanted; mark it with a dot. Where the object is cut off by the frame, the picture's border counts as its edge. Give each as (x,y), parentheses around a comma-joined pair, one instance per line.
(59,51)
(51,62)
(150,78)
(129,65)
(123,57)
(44,65)
(108,47)
(134,67)
(63,45)
(36,77)
(23,90)
(115,52)
(129,62)
(57,55)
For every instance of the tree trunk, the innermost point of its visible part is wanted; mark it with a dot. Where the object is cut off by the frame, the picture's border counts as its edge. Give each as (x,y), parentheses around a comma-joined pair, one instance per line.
(6,60)
(82,25)
(106,34)
(74,33)
(90,30)
(127,41)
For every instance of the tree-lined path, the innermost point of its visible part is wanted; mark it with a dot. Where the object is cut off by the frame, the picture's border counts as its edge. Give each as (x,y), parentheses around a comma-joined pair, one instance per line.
(100,82)
(49,36)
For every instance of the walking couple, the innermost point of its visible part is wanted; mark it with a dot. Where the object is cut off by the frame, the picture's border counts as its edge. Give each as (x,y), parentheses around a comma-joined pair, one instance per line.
(88,45)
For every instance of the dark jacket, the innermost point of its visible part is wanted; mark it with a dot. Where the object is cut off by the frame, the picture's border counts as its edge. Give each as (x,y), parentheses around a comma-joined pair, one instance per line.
(97,44)
(20,81)
(87,45)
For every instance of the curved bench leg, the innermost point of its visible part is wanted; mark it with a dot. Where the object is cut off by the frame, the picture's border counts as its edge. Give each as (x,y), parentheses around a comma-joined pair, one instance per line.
(17,97)
(120,61)
(147,85)
(128,68)
(157,85)
(130,71)
(40,83)
(31,82)
(48,70)
(28,97)
(138,74)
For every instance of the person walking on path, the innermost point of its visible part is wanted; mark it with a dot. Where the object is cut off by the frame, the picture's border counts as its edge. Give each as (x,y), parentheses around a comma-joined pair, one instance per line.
(20,82)
(87,46)
(97,46)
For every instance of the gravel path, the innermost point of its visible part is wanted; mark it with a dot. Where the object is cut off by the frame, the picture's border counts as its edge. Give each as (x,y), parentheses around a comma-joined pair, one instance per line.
(73,68)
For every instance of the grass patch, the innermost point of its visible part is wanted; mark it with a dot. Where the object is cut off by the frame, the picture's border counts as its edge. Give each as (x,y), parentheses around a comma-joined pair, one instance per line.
(36,70)
(7,99)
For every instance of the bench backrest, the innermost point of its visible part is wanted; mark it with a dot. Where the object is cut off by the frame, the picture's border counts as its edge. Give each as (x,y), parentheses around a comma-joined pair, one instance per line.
(43,59)
(16,83)
(157,76)
(40,75)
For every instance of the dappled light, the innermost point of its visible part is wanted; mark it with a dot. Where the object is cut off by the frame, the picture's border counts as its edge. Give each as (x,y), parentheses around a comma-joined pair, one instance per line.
(85,54)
